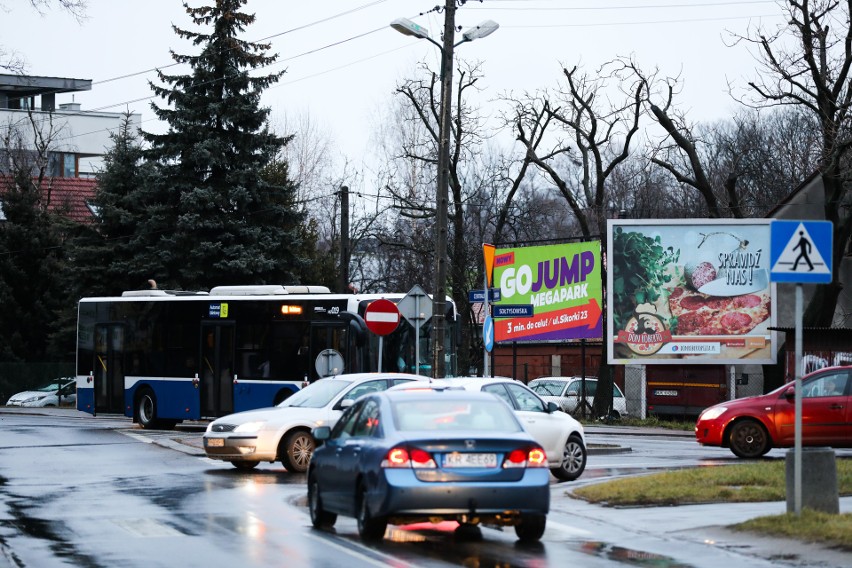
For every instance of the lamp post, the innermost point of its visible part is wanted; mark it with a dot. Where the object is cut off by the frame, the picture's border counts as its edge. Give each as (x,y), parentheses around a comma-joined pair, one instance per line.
(439,293)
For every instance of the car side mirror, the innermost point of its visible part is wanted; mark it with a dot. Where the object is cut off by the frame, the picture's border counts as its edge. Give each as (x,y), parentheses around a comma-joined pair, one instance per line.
(346,403)
(552,407)
(321,434)
(790,392)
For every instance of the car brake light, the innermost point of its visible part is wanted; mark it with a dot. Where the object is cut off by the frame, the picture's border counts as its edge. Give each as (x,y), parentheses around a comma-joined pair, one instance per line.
(532,457)
(537,458)
(415,459)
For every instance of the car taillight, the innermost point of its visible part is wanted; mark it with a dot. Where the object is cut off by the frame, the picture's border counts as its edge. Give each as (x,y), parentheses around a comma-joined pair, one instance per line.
(532,457)
(415,459)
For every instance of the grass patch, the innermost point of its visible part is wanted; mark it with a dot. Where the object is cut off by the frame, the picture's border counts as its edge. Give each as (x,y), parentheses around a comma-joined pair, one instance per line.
(741,483)
(655,422)
(650,422)
(811,526)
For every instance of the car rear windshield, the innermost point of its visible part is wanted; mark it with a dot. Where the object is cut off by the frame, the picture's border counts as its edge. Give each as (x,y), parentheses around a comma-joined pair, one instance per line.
(455,416)
(318,394)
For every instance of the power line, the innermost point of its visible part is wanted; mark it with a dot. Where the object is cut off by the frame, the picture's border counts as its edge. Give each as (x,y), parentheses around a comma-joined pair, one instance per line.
(127,103)
(599,8)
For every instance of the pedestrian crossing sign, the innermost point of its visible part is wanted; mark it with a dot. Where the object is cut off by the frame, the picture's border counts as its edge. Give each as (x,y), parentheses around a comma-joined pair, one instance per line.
(800,251)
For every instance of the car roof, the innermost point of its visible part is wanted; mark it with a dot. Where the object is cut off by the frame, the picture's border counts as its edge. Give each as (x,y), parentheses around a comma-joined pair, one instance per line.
(434,394)
(466,381)
(361,377)
(563,379)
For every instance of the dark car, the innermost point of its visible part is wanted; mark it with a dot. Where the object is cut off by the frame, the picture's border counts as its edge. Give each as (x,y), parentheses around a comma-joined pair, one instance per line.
(752,426)
(429,456)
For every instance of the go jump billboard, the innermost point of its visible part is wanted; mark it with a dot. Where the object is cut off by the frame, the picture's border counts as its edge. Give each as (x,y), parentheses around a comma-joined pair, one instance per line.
(561,282)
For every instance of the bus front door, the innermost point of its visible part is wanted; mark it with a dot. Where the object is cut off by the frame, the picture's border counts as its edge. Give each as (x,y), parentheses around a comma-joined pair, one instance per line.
(217,369)
(108,369)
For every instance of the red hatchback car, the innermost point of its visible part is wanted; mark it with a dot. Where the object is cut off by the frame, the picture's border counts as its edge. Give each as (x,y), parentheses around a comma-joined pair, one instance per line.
(752,426)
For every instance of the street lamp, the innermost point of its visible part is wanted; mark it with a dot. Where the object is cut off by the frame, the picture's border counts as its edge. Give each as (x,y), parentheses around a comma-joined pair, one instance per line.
(439,294)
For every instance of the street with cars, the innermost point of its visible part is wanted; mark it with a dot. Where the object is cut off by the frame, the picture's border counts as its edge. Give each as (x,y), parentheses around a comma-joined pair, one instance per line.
(85,491)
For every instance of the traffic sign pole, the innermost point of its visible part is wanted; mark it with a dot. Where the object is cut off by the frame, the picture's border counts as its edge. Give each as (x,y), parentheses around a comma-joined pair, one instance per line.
(797,448)
(793,244)
(486,372)
(488,254)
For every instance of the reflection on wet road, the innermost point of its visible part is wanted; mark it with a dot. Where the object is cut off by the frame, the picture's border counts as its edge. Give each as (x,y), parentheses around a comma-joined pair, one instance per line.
(98,493)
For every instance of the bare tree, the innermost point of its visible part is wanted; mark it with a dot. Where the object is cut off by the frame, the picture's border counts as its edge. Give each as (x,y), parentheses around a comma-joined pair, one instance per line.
(578,136)
(14,62)
(806,63)
(28,147)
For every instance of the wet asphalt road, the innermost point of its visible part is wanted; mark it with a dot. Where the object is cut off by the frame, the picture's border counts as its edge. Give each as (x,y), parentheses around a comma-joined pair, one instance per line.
(78,491)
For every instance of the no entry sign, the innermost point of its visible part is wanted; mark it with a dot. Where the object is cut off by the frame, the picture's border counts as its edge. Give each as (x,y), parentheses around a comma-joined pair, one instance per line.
(381,317)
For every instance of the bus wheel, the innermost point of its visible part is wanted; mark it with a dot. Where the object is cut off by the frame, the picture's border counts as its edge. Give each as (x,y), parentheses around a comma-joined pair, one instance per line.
(146,410)
(296,451)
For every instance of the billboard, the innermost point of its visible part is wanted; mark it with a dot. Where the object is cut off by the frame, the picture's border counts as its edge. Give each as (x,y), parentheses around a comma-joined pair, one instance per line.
(563,285)
(689,291)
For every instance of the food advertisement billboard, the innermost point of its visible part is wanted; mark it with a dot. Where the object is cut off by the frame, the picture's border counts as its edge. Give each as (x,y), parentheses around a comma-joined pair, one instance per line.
(689,291)
(562,283)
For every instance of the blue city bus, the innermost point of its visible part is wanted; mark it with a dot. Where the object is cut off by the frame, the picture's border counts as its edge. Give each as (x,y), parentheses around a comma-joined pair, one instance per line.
(162,356)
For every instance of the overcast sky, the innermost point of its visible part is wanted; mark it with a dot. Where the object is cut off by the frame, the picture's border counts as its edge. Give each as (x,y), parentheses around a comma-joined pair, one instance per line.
(343,60)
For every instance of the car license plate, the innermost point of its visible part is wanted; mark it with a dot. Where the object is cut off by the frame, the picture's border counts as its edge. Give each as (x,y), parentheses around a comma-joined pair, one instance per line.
(660,392)
(457,459)
(214,442)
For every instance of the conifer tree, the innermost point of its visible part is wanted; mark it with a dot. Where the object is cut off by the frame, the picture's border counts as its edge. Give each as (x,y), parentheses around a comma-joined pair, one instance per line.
(113,254)
(31,264)
(216,219)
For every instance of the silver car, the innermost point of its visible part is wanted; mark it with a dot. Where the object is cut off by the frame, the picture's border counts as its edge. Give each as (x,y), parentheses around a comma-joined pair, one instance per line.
(567,393)
(561,436)
(61,392)
(283,433)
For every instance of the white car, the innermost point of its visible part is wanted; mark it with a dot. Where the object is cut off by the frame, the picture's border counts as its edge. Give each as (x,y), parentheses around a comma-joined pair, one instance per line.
(567,393)
(283,433)
(59,392)
(561,436)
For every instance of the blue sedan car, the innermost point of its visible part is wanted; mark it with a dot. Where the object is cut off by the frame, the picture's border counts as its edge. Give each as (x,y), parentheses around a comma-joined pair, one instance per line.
(429,456)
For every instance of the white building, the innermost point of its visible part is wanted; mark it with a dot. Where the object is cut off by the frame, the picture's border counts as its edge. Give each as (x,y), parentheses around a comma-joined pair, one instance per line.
(78,138)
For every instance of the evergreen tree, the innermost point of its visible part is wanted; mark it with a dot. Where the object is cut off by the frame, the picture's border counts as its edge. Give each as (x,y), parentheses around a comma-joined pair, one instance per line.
(110,255)
(31,268)
(215,218)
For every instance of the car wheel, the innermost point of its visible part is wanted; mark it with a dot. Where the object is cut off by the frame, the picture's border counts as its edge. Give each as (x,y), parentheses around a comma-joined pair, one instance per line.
(146,410)
(370,528)
(748,439)
(320,518)
(531,528)
(244,465)
(297,450)
(573,460)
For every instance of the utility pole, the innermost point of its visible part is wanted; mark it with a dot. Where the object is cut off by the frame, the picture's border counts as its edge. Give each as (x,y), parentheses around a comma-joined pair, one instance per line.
(344,239)
(439,295)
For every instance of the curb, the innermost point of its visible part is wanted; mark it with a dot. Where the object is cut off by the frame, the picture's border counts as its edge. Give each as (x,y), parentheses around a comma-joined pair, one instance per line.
(607,449)
(193,447)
